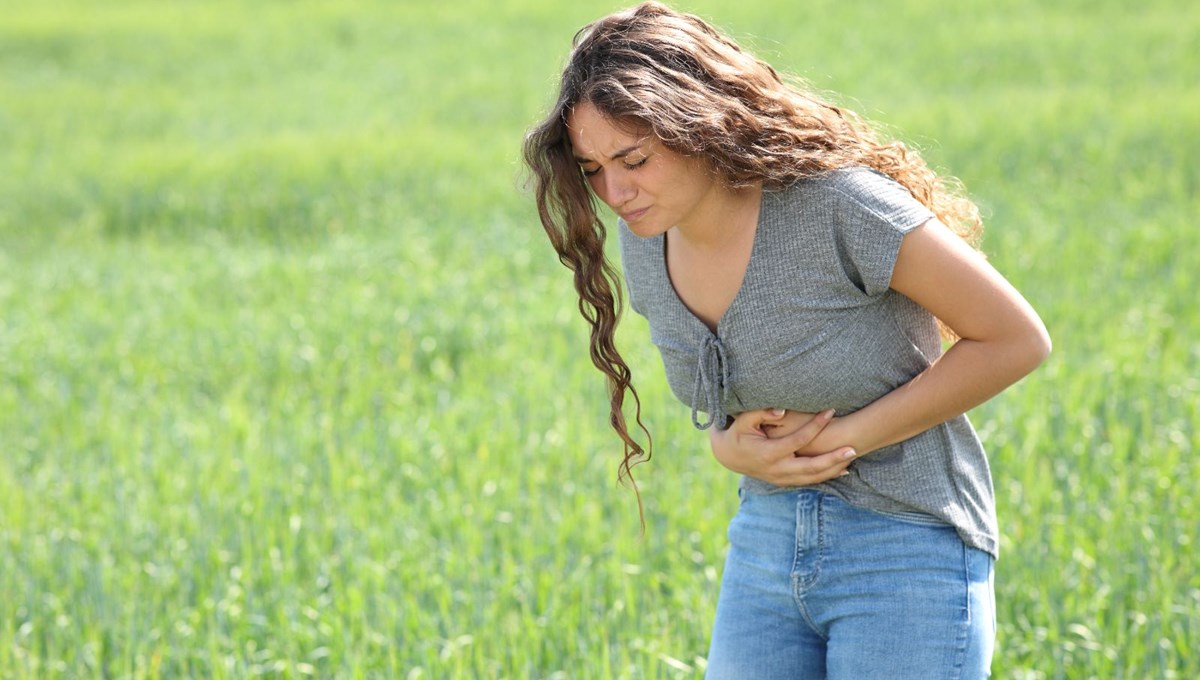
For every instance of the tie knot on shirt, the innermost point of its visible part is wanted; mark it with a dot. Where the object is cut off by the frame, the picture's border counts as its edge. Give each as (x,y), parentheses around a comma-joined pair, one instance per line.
(711,384)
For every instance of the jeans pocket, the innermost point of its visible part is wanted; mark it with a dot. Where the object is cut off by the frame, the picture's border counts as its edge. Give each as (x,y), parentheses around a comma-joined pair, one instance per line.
(913,517)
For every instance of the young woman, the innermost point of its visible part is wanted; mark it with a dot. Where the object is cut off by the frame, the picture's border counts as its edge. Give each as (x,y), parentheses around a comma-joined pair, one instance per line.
(793,268)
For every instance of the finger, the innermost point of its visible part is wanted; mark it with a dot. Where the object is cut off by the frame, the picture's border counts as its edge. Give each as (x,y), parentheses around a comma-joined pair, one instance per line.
(748,421)
(816,469)
(809,431)
(763,415)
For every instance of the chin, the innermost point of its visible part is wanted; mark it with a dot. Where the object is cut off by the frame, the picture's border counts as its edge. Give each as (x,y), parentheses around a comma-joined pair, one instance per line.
(645,229)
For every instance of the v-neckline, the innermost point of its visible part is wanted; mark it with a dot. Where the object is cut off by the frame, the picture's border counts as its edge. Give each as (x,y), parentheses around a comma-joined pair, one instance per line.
(754,248)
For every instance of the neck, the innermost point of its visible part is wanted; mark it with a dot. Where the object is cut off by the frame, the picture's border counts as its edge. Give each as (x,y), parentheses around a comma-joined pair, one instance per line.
(721,218)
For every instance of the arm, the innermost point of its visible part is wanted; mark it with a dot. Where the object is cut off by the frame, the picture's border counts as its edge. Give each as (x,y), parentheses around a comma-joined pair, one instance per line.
(752,447)
(1001,340)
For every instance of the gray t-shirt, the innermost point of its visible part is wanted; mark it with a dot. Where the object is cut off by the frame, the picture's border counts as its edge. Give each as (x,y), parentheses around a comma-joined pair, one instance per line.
(816,326)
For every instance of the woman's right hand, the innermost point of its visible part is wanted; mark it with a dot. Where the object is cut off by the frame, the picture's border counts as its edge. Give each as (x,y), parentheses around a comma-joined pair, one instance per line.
(758,444)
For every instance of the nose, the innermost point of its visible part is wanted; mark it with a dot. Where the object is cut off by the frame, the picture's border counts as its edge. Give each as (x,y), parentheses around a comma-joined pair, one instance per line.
(618,189)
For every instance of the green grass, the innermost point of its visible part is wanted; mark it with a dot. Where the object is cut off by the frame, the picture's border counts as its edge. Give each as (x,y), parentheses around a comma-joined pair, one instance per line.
(291,384)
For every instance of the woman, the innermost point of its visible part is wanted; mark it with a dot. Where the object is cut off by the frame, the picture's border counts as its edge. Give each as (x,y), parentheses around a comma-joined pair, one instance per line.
(794,269)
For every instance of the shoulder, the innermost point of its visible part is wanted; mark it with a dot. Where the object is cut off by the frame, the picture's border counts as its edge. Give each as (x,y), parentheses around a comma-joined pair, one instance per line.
(637,266)
(848,198)
(862,193)
(634,249)
(858,185)
(863,215)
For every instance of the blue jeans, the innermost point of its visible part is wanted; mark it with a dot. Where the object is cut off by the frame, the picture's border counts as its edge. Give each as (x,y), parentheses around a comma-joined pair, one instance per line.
(817,588)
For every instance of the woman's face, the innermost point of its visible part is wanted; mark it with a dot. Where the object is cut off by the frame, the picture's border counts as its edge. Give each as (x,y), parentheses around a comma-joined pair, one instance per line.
(651,187)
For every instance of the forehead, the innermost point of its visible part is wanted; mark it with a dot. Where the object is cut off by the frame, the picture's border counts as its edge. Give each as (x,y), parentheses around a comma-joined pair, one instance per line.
(594,135)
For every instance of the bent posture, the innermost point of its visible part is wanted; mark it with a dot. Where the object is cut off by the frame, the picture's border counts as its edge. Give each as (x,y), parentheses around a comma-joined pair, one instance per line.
(793,268)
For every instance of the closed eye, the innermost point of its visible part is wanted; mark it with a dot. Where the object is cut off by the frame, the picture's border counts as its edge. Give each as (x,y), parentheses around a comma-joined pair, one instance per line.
(628,166)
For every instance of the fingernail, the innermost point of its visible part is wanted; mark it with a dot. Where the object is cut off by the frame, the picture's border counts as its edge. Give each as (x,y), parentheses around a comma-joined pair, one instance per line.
(827,414)
(778,411)
(848,453)
(845,473)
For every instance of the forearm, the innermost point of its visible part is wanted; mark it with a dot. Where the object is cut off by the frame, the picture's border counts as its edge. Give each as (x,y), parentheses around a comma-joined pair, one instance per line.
(746,449)
(968,374)
(1002,341)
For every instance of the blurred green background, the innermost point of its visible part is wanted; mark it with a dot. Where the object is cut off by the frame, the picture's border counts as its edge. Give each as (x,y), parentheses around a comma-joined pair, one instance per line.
(291,384)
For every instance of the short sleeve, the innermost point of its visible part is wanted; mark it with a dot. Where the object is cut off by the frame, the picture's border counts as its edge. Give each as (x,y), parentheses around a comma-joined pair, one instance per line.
(875,212)
(632,266)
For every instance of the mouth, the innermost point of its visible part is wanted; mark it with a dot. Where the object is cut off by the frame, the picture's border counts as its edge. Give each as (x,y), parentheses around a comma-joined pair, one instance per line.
(630,217)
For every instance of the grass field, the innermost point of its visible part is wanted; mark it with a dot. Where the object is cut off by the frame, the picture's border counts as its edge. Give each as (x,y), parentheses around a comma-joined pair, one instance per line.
(292,386)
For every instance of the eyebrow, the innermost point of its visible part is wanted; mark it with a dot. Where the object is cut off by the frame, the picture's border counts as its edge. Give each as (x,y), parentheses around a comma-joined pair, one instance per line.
(620,154)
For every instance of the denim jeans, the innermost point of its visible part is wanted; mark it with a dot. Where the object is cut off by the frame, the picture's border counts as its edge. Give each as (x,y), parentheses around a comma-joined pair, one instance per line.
(817,588)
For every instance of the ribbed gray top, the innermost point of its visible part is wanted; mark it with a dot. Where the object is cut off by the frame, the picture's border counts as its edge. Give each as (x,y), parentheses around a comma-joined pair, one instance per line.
(816,326)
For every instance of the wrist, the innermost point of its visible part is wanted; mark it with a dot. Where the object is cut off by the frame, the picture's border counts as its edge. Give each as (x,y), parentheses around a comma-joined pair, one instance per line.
(717,439)
(851,430)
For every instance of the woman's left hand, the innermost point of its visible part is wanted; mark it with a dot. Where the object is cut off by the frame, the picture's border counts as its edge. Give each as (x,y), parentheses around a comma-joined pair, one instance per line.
(785,423)
(783,459)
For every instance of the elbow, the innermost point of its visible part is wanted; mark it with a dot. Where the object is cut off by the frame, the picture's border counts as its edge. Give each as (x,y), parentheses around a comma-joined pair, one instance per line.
(1036,346)
(1024,347)
(1047,345)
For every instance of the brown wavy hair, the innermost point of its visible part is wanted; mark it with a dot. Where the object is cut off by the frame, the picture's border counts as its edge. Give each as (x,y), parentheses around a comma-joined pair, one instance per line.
(671,74)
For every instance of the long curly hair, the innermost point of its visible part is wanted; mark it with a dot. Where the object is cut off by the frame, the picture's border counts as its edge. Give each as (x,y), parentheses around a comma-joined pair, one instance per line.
(659,71)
